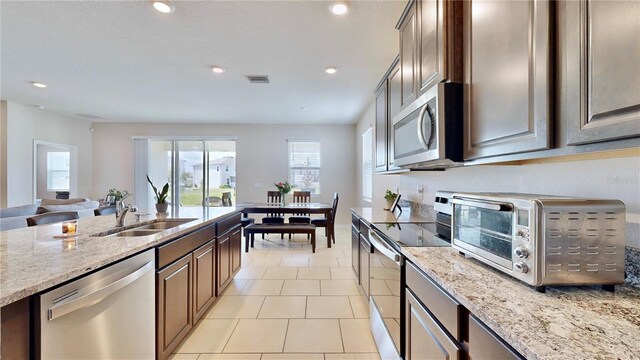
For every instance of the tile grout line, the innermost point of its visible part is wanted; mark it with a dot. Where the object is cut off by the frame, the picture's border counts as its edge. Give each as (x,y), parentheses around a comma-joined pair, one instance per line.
(230,336)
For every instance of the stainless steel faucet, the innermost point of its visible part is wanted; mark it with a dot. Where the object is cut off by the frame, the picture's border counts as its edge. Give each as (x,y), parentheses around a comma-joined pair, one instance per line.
(122,209)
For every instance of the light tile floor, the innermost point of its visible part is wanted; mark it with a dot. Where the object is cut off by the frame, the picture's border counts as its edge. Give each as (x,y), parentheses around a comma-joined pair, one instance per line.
(287,303)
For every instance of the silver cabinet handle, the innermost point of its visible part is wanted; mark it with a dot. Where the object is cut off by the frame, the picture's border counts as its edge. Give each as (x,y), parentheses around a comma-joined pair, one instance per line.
(484,205)
(423,141)
(69,305)
(382,248)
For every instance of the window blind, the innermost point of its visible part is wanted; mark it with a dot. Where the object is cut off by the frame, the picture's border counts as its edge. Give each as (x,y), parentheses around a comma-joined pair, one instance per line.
(367,164)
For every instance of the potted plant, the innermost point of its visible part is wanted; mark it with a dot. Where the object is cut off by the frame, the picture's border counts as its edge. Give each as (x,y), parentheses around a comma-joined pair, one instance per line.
(389,198)
(161,197)
(116,195)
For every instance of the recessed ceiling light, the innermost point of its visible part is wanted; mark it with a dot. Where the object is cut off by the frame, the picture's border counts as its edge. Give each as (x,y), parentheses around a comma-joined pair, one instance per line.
(163,6)
(304,108)
(39,85)
(38,106)
(339,7)
(217,69)
(331,70)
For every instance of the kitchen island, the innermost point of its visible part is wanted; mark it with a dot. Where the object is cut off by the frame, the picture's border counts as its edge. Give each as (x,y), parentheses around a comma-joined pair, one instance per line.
(32,260)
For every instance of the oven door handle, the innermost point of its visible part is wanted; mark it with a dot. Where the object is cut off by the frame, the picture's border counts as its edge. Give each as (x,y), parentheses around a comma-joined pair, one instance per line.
(386,250)
(484,205)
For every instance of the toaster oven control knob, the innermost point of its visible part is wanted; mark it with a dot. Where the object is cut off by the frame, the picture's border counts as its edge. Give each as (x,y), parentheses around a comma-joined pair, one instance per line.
(522,267)
(520,233)
(522,252)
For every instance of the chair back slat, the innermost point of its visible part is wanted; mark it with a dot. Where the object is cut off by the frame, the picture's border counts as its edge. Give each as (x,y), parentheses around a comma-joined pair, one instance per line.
(274,197)
(302,197)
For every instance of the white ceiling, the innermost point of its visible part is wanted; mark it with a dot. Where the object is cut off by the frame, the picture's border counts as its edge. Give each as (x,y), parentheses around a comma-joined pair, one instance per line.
(125,62)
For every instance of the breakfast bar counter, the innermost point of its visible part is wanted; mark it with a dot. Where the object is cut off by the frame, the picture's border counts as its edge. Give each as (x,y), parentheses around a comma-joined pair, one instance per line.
(32,260)
(563,323)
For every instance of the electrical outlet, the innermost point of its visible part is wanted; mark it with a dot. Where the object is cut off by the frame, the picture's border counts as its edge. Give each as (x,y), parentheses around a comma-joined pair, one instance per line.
(420,189)
(396,190)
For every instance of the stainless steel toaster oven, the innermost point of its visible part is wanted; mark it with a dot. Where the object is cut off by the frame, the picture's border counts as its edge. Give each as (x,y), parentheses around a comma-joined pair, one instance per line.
(543,240)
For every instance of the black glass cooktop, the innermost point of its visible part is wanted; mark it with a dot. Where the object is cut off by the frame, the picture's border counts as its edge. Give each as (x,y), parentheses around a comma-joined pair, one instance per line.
(412,235)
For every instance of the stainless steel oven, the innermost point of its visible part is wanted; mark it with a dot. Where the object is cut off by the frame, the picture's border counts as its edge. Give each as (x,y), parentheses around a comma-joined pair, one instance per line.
(541,239)
(428,132)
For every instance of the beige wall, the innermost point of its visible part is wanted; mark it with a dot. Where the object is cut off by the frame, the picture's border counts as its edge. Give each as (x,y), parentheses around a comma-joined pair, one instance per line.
(26,124)
(615,178)
(262,152)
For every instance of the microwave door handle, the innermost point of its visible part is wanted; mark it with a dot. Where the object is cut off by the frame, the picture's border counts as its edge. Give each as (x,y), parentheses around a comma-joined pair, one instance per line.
(384,249)
(421,138)
(483,205)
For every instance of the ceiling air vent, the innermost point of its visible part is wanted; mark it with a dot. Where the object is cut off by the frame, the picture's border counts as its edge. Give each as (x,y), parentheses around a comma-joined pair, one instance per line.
(258,79)
(90,116)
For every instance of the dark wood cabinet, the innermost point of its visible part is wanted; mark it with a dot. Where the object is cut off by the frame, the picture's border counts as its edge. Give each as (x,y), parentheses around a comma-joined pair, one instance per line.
(365,251)
(236,251)
(425,337)
(381,128)
(223,263)
(204,282)
(408,27)
(484,344)
(174,291)
(600,70)
(440,43)
(508,88)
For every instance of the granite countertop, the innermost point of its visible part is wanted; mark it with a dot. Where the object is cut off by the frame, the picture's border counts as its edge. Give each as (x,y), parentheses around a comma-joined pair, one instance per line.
(377,215)
(32,260)
(563,323)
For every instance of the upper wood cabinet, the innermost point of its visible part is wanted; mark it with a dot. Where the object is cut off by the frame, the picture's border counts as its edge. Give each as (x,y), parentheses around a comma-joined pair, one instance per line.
(381,127)
(600,53)
(388,105)
(508,87)
(430,46)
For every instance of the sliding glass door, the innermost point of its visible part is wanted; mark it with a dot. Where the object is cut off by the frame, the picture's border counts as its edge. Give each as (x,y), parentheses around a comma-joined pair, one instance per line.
(200,173)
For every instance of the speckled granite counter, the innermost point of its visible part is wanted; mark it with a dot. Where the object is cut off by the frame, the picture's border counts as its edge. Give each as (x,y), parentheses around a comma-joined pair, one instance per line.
(31,260)
(563,323)
(376,215)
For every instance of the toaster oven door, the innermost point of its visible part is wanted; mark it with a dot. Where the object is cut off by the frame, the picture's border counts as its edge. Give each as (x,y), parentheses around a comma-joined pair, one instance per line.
(484,229)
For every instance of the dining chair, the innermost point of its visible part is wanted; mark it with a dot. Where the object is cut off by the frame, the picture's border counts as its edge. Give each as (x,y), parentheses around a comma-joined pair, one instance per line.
(52,217)
(274,197)
(301,197)
(323,222)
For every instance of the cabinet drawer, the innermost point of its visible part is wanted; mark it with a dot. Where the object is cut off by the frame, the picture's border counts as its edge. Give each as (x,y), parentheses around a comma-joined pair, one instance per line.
(166,254)
(227,224)
(442,305)
(484,344)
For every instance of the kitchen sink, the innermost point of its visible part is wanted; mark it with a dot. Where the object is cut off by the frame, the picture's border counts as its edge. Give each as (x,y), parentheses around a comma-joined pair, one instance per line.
(136,232)
(145,229)
(166,224)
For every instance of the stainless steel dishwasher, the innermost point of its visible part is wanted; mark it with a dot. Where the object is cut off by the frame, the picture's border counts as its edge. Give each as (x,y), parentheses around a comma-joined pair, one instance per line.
(109,314)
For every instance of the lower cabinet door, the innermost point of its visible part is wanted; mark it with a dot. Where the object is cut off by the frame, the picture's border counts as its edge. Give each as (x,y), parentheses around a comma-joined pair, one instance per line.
(425,339)
(236,251)
(355,252)
(484,344)
(174,311)
(204,282)
(224,263)
(365,251)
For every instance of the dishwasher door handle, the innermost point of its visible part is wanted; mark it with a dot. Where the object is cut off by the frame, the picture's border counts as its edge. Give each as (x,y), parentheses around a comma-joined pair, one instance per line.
(72,304)
(385,250)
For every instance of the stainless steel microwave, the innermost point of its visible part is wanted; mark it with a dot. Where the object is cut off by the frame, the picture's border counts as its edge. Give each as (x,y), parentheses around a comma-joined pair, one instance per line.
(428,132)
(543,240)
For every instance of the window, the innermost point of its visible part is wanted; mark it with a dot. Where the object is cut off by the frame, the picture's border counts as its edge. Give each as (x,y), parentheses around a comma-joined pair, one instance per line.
(304,165)
(58,170)
(367,165)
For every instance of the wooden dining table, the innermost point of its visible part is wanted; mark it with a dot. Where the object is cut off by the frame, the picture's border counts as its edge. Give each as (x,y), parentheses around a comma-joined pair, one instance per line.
(293,209)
